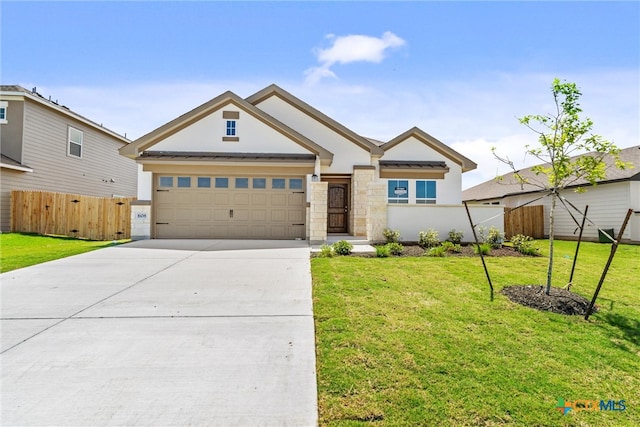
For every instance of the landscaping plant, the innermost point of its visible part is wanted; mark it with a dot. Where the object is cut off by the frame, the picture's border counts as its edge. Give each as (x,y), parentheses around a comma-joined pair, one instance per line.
(342,247)
(391,236)
(395,248)
(383,251)
(428,239)
(326,251)
(455,236)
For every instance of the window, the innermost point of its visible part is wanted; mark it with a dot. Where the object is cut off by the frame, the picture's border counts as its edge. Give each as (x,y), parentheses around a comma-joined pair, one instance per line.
(295,184)
(166,181)
(231,128)
(398,191)
(259,183)
(242,182)
(204,182)
(74,143)
(222,182)
(278,183)
(184,182)
(3,111)
(425,192)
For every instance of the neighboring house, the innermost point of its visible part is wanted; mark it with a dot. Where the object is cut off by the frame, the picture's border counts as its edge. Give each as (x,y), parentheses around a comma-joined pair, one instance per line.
(45,146)
(272,167)
(608,201)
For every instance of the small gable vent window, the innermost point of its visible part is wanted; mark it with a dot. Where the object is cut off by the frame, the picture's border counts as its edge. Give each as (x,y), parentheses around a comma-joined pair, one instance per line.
(231,126)
(75,138)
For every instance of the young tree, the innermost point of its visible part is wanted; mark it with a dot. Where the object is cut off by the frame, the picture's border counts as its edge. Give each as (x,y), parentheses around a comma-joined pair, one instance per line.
(561,136)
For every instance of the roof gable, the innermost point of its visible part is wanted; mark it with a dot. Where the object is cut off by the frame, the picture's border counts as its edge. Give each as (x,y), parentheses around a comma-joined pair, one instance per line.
(228,98)
(433,143)
(274,90)
(508,185)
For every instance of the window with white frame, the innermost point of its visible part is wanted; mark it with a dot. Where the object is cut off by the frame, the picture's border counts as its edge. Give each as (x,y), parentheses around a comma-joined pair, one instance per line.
(3,111)
(74,143)
(425,192)
(231,128)
(398,191)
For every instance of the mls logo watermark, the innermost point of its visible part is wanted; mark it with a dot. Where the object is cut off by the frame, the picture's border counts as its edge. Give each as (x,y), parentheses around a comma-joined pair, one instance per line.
(590,405)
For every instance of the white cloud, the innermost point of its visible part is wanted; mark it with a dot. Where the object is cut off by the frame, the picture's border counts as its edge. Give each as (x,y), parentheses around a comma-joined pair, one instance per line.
(351,48)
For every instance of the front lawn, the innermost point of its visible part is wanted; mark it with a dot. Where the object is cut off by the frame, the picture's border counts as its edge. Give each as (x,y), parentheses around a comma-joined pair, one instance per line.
(417,341)
(22,250)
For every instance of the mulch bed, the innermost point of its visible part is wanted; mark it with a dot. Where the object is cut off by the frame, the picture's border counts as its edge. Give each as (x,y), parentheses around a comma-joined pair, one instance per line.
(559,300)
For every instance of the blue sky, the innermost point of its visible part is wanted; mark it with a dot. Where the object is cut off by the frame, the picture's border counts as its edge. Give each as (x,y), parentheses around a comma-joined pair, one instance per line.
(462,71)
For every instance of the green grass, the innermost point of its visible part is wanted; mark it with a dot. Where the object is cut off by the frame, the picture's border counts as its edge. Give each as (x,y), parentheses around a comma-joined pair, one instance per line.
(22,250)
(418,342)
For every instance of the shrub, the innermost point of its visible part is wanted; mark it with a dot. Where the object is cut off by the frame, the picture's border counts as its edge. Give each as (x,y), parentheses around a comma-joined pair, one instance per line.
(484,248)
(383,251)
(437,251)
(391,236)
(495,238)
(524,244)
(455,236)
(452,247)
(342,247)
(428,239)
(395,248)
(326,251)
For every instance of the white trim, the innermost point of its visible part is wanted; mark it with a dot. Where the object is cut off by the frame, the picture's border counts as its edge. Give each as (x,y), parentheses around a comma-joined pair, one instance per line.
(69,142)
(14,167)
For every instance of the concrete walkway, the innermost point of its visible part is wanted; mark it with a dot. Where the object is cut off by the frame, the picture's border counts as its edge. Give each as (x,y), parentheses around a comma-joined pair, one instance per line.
(161,333)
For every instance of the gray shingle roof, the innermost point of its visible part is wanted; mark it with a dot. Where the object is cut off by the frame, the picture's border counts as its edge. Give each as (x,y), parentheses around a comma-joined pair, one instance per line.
(508,185)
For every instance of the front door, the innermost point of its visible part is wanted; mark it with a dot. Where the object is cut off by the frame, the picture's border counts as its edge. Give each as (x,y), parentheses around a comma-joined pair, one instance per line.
(338,208)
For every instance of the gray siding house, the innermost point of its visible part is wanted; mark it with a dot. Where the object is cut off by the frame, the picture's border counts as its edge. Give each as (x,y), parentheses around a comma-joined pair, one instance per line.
(608,201)
(45,146)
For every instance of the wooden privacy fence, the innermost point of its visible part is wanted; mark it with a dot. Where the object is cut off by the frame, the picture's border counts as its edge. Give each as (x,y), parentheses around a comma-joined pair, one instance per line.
(527,220)
(73,215)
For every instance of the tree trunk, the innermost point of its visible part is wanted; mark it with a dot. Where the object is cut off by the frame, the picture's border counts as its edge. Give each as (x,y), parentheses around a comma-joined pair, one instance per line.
(554,196)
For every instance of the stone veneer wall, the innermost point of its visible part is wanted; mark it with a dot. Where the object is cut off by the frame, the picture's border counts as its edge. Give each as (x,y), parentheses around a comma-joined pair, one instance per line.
(318,212)
(360,180)
(376,211)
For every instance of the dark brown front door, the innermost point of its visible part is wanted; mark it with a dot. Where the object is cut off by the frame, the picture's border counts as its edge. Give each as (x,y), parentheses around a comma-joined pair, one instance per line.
(338,211)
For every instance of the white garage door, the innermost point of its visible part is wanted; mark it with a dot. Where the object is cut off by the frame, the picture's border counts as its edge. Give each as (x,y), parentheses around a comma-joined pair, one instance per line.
(224,207)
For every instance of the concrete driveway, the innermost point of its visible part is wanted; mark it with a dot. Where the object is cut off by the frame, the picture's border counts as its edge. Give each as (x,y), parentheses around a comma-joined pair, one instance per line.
(161,333)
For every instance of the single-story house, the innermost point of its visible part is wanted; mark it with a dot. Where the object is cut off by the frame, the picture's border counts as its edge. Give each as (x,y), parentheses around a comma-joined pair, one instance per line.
(273,167)
(609,200)
(48,147)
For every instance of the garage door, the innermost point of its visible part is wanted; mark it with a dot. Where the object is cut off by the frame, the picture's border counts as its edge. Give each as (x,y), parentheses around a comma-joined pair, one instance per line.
(225,207)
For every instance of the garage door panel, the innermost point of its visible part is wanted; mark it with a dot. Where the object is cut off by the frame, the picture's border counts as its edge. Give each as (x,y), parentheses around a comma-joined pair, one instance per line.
(241,199)
(278,199)
(221,214)
(295,216)
(258,215)
(203,198)
(210,212)
(221,199)
(184,214)
(258,199)
(203,214)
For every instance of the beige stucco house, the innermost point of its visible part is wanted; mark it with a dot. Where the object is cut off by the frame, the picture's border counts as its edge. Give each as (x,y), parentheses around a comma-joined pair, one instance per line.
(273,167)
(608,201)
(46,146)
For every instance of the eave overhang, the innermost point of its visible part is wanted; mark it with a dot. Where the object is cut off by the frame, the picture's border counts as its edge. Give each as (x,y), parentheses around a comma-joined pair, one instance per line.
(413,169)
